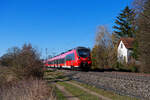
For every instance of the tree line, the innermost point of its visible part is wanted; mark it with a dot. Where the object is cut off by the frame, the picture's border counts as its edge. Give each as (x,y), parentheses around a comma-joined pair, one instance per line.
(132,22)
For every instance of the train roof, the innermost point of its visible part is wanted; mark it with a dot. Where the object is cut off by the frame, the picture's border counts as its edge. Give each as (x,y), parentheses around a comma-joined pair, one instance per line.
(63,54)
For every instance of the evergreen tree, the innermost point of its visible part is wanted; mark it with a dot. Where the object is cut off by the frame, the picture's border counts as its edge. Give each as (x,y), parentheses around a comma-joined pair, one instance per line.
(124,23)
(143,37)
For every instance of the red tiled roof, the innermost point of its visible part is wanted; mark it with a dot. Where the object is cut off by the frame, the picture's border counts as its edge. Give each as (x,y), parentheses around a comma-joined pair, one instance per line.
(128,42)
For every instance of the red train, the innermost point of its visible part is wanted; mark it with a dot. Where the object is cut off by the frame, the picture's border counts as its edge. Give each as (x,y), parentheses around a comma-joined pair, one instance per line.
(77,58)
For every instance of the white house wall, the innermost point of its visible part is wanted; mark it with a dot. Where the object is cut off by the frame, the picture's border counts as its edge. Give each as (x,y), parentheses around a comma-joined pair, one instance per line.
(122,52)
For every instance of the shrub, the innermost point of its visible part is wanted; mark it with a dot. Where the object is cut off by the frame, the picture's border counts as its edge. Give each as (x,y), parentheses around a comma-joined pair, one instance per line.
(7,76)
(132,67)
(24,62)
(118,66)
(21,71)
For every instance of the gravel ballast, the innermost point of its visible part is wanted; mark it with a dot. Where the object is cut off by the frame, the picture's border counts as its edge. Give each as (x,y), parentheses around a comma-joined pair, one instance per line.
(136,85)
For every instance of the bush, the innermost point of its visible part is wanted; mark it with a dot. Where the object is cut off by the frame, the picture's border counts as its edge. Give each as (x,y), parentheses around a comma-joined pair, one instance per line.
(118,66)
(133,67)
(24,62)
(21,71)
(126,67)
(7,76)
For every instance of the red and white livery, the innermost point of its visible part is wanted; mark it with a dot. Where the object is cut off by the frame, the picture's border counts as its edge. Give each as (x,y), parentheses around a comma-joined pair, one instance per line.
(77,58)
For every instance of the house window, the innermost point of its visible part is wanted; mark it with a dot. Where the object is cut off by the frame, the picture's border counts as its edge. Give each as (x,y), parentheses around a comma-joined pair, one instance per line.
(121,45)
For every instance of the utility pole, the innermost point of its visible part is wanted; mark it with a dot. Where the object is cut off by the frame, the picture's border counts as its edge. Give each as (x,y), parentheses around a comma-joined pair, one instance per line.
(46,53)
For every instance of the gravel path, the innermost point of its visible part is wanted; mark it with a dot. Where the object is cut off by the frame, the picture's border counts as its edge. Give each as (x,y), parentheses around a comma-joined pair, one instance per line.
(89,91)
(67,94)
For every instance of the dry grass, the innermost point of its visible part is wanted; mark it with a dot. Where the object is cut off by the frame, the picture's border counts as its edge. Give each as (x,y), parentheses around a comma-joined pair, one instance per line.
(108,94)
(7,76)
(31,89)
(16,68)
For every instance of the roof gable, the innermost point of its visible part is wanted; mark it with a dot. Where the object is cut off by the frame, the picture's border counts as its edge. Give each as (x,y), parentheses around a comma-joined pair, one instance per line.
(128,42)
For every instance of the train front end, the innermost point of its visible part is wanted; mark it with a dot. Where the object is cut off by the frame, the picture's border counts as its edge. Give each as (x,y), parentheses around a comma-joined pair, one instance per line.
(83,58)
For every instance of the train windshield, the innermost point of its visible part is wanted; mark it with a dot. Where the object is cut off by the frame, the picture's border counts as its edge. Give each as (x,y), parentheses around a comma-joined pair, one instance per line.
(84,53)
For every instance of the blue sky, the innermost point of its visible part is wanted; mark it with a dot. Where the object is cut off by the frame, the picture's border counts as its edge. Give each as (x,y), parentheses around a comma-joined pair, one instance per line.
(55,24)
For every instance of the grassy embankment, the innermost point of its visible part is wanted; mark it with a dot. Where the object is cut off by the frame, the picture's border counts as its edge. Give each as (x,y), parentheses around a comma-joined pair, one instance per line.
(79,93)
(105,93)
(52,76)
(59,94)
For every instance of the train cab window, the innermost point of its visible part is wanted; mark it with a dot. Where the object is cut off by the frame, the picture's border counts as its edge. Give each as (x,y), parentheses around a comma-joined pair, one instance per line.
(83,53)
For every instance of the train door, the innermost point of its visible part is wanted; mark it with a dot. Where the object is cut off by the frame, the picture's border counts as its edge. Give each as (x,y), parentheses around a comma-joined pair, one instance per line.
(68,61)
(72,59)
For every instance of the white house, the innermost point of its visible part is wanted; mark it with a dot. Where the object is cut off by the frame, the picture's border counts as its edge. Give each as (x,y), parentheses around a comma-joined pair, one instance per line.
(124,50)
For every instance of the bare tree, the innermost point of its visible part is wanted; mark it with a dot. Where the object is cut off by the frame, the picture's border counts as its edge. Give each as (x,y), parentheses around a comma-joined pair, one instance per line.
(143,36)
(138,6)
(103,52)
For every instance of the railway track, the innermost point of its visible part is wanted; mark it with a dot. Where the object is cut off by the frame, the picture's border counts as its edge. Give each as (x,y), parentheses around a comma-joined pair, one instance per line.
(140,77)
(123,83)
